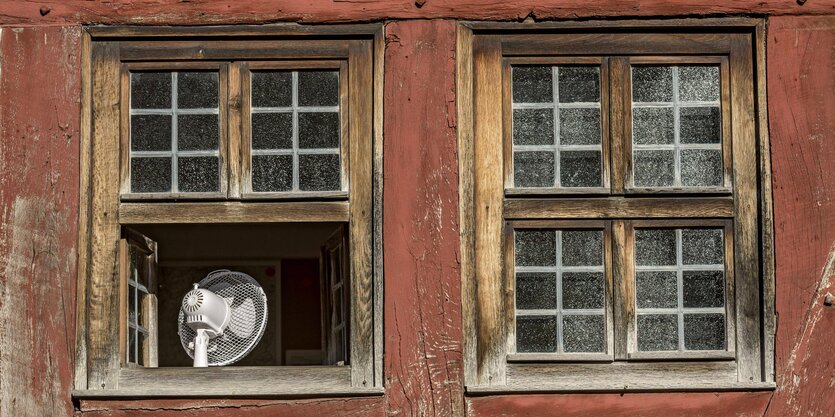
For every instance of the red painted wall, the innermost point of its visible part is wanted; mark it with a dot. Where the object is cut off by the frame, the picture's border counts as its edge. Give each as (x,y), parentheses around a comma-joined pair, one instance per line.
(39,122)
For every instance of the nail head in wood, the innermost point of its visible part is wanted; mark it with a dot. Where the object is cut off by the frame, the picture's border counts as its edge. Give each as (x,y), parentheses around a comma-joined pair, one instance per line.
(45,10)
(829,300)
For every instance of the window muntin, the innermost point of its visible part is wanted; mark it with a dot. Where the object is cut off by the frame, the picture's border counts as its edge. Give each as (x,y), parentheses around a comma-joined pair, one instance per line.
(175,132)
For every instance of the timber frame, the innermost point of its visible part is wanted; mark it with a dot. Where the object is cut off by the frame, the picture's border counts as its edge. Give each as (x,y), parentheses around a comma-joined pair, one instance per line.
(488,208)
(106,51)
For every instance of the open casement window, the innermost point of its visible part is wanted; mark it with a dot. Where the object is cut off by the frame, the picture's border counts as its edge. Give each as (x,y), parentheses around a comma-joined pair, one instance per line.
(252,154)
(615,239)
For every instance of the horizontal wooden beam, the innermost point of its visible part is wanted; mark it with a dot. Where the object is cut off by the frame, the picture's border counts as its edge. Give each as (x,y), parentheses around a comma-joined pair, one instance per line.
(282,29)
(680,24)
(618,208)
(233,212)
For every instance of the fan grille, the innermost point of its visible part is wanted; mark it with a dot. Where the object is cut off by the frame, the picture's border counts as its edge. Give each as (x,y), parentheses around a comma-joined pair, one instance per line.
(248,305)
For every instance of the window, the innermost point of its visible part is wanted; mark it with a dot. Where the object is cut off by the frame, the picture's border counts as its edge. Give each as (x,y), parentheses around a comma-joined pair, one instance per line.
(614,243)
(252,153)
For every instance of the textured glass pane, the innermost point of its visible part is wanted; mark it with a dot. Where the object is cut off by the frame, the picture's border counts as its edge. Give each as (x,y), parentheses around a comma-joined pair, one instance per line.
(536,248)
(655,247)
(579,84)
(582,290)
(652,84)
(580,169)
(272,173)
(150,90)
(319,130)
(150,175)
(536,290)
(132,345)
(580,126)
(337,309)
(583,333)
(318,88)
(197,90)
(536,334)
(703,289)
(533,127)
(197,132)
(654,168)
(656,289)
(704,331)
(699,125)
(198,174)
(582,247)
(698,83)
(150,132)
(272,89)
(319,172)
(272,130)
(652,125)
(132,316)
(701,167)
(532,85)
(657,332)
(533,169)
(702,246)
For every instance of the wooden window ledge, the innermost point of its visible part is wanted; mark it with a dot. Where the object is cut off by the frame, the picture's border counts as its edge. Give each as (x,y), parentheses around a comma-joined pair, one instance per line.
(660,386)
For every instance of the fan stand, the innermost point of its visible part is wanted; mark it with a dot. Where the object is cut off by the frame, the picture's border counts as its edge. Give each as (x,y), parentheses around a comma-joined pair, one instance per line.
(201,345)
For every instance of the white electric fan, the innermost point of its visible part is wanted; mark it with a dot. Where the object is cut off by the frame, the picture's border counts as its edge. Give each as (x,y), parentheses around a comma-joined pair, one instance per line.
(222,318)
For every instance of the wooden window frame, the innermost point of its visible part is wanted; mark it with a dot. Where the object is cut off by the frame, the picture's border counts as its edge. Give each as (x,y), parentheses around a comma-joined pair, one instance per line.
(487,208)
(107,52)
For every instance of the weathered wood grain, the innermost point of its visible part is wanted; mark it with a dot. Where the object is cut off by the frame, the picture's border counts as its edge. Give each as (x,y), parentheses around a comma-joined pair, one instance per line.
(423,359)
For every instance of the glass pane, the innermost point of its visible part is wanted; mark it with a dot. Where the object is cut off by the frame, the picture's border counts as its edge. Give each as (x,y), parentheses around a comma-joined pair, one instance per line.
(533,127)
(272,131)
(583,333)
(197,90)
(652,84)
(654,168)
(656,289)
(150,132)
(133,312)
(536,334)
(536,290)
(652,125)
(536,248)
(582,247)
(532,85)
(337,307)
(582,290)
(197,132)
(272,173)
(655,247)
(657,332)
(272,89)
(318,88)
(198,174)
(579,84)
(580,126)
(701,167)
(704,331)
(319,172)
(580,169)
(699,125)
(698,83)
(150,90)
(533,169)
(702,246)
(132,345)
(150,175)
(703,289)
(319,130)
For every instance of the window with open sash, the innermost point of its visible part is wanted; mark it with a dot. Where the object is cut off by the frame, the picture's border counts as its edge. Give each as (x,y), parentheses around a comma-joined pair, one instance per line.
(615,236)
(253,155)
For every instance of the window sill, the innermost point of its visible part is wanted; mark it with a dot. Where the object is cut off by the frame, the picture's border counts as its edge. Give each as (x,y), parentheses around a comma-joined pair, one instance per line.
(234,381)
(586,387)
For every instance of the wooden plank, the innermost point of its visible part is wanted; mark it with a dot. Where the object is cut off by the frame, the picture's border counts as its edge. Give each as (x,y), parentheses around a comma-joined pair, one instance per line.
(360,64)
(102,304)
(234,212)
(746,221)
(278,29)
(608,24)
(235,50)
(623,289)
(235,128)
(618,207)
(620,133)
(464,102)
(487,191)
(378,182)
(615,44)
